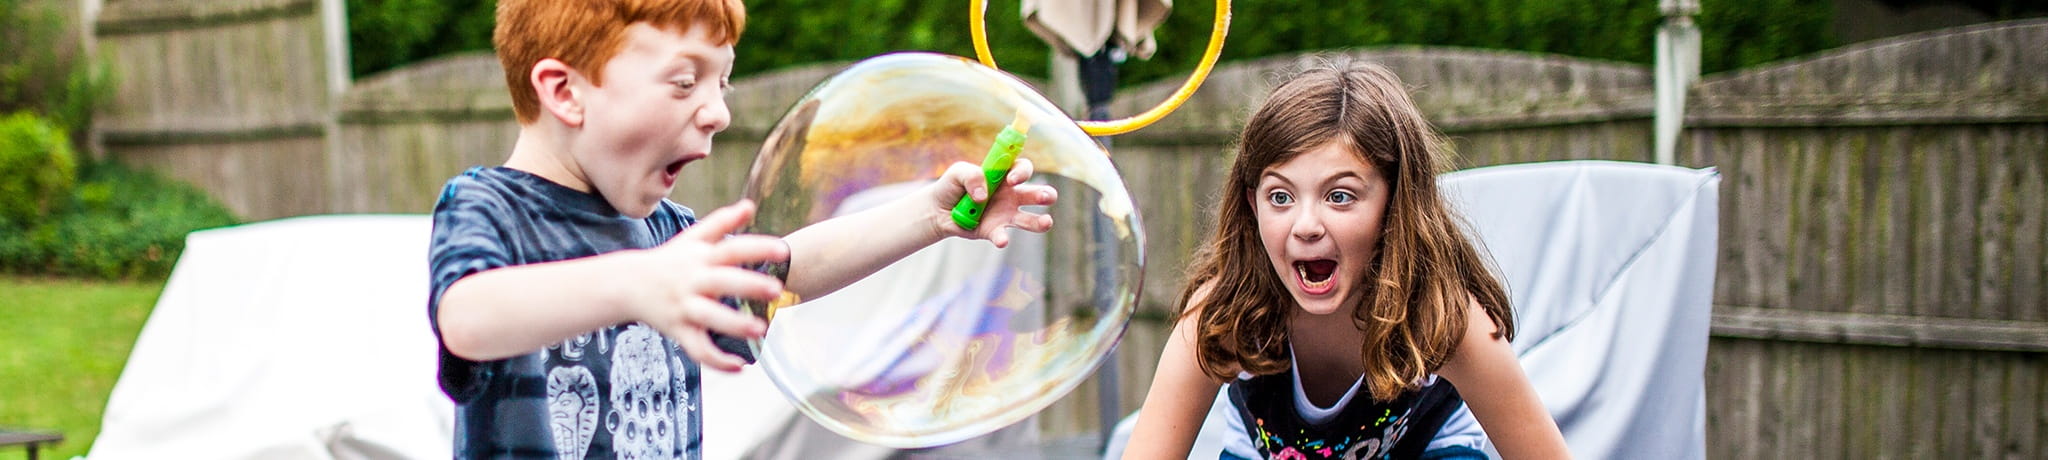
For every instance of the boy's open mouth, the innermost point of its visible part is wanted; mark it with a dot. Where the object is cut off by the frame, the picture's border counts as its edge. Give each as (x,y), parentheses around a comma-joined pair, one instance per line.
(676,167)
(1315,274)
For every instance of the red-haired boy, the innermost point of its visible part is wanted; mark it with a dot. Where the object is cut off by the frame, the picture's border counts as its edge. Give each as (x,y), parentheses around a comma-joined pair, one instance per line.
(573,301)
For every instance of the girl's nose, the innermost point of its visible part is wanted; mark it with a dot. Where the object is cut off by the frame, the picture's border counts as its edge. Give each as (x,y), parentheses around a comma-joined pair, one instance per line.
(1308,225)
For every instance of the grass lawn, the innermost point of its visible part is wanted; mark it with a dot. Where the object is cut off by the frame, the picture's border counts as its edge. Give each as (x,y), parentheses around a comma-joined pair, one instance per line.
(62,345)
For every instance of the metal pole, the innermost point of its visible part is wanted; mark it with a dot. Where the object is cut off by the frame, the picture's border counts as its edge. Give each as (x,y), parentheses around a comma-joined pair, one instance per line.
(1678,66)
(1098,86)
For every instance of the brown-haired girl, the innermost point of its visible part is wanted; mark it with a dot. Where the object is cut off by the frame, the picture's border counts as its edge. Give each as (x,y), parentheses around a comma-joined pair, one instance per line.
(1336,290)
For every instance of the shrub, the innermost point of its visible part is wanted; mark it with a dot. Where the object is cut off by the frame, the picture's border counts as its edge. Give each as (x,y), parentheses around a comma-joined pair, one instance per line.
(119,223)
(36,167)
(43,69)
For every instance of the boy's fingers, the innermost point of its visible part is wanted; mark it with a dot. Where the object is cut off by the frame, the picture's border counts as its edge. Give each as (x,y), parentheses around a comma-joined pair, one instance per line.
(1034,223)
(698,345)
(999,237)
(715,282)
(1022,195)
(1020,171)
(969,177)
(1036,195)
(718,317)
(749,249)
(721,222)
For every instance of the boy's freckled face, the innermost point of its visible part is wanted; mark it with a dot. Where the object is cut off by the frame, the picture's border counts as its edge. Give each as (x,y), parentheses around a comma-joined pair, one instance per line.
(662,99)
(1319,217)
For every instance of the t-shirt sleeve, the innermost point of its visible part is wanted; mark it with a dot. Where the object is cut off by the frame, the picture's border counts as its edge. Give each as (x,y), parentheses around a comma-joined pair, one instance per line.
(466,240)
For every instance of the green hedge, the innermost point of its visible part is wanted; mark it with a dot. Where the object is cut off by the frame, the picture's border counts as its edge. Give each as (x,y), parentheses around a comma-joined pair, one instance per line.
(118,223)
(388,33)
(37,167)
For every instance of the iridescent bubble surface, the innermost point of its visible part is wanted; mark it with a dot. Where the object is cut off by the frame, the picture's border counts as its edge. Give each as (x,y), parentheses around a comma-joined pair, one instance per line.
(960,338)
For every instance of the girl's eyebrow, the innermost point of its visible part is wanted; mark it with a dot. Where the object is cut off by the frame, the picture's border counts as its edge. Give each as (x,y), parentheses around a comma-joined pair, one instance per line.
(1326,181)
(1343,174)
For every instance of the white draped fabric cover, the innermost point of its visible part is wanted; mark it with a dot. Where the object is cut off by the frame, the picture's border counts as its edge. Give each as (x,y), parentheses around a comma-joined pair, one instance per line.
(301,338)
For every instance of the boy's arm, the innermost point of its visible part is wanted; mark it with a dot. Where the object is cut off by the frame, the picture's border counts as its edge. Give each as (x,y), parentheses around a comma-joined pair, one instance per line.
(674,287)
(1499,394)
(829,255)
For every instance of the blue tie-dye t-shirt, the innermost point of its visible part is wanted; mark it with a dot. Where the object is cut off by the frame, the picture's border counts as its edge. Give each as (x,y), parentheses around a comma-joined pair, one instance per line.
(624,391)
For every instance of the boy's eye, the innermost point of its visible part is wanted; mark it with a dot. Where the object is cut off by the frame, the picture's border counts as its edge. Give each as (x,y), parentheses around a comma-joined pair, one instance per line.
(685,85)
(1279,198)
(1342,197)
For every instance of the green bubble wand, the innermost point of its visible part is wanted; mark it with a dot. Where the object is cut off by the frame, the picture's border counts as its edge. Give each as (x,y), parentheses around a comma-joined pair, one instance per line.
(994,167)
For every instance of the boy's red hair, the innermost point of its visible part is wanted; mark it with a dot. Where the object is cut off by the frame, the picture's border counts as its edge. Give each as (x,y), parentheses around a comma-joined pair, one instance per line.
(586,33)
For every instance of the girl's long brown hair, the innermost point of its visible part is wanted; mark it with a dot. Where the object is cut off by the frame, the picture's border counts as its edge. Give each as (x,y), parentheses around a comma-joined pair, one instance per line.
(1421,278)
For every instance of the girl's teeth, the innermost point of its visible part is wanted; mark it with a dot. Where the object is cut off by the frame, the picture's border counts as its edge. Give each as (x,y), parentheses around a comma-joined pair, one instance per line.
(1301,270)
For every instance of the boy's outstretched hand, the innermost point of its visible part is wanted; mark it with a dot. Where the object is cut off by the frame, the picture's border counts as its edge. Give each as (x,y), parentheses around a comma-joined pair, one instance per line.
(691,272)
(1002,213)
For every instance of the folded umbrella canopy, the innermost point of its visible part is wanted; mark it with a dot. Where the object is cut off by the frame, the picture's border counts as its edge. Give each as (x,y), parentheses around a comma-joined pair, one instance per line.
(1085,26)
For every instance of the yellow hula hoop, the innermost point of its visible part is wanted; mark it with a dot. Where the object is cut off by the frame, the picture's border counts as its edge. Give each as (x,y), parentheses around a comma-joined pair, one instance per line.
(979,32)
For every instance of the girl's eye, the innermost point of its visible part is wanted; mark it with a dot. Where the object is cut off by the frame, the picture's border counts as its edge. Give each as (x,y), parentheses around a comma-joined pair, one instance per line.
(1342,197)
(1279,198)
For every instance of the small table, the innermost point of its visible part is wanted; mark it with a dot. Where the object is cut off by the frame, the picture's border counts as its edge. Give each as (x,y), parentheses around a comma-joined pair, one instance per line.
(33,439)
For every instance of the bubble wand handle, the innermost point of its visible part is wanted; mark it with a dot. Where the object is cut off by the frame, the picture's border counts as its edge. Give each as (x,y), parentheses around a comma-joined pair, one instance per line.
(994,166)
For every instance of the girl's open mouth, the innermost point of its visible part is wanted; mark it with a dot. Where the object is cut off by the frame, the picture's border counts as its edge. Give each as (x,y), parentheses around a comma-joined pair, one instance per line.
(1315,275)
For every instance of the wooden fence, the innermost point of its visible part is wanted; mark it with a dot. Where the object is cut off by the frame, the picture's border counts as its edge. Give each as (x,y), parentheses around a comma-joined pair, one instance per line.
(1883,243)
(1882,249)
(231,95)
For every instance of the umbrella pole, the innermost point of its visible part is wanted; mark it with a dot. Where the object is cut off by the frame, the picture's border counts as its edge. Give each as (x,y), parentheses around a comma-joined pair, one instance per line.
(1098,86)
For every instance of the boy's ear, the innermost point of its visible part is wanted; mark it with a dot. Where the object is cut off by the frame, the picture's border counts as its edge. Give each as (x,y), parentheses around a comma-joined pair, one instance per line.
(552,81)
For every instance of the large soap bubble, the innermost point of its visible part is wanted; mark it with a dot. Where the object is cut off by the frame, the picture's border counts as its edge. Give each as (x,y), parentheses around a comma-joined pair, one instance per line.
(961,338)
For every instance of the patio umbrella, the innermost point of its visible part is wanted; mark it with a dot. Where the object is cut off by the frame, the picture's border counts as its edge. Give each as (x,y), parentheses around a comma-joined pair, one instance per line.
(1093,31)
(1083,27)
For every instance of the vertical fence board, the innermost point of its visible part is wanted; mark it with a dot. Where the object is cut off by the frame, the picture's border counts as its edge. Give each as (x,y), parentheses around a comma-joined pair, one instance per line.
(1831,398)
(1898,254)
(2023,397)
(1987,428)
(1860,411)
(2029,230)
(1964,265)
(1933,192)
(1951,427)
(1893,399)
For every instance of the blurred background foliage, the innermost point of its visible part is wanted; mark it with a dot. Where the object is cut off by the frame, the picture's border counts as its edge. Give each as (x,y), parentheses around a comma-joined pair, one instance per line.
(63,213)
(41,70)
(388,33)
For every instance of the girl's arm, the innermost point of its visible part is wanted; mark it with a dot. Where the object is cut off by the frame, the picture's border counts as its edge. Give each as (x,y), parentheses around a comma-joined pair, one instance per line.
(1491,381)
(1179,399)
